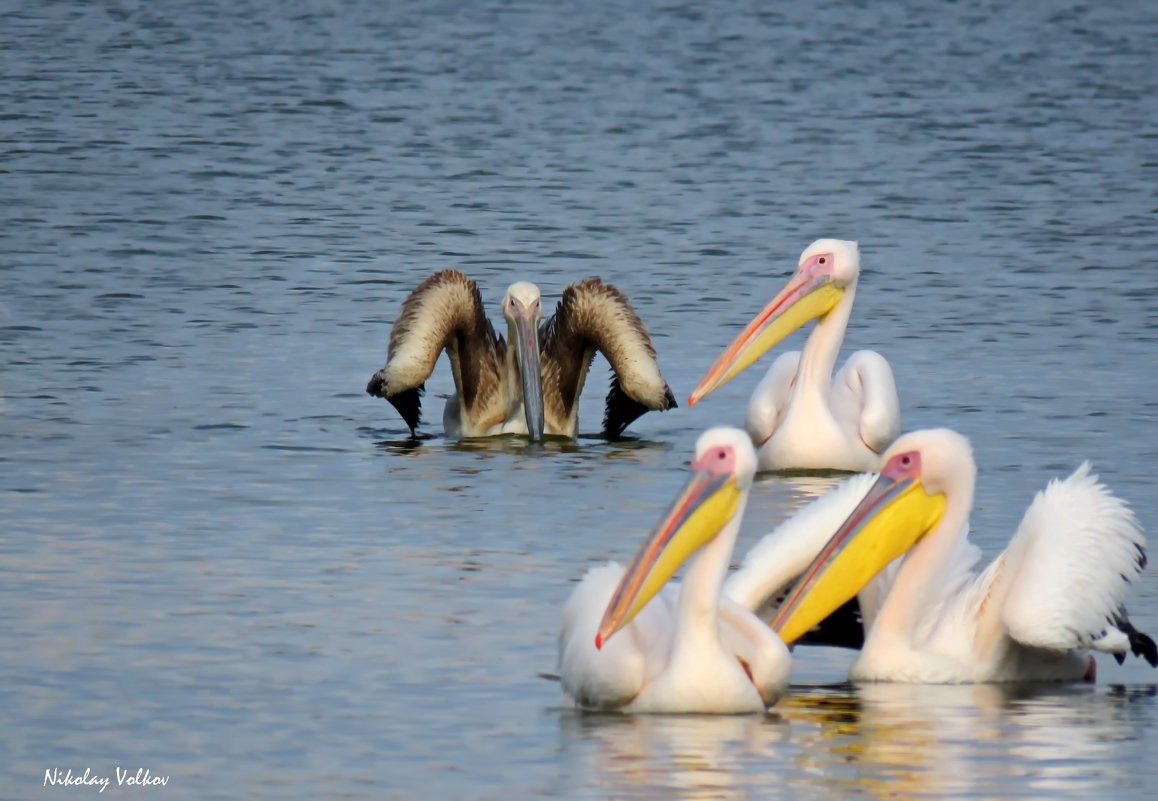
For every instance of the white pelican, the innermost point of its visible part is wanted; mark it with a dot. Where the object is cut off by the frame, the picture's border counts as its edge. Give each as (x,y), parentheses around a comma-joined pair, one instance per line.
(624,647)
(800,416)
(497,389)
(1054,594)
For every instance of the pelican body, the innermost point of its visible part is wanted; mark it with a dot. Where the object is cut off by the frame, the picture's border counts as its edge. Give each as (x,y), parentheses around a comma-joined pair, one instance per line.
(1034,614)
(625,645)
(530,382)
(801,416)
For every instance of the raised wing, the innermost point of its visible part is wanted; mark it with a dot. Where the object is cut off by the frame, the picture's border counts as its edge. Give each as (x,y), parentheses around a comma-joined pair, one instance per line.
(444,312)
(1062,581)
(594,316)
(865,391)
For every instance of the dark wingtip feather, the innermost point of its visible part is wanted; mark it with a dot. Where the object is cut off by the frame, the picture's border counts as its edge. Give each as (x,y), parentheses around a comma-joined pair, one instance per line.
(409,405)
(376,385)
(621,410)
(1141,644)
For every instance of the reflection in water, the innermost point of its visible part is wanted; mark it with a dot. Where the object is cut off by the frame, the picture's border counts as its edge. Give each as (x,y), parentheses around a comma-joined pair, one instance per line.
(514,443)
(873,741)
(657,756)
(594,447)
(633,449)
(903,740)
(778,497)
(809,486)
(403,447)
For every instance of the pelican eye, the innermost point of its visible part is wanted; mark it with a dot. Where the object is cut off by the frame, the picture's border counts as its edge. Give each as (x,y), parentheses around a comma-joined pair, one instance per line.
(822,260)
(717,459)
(906,461)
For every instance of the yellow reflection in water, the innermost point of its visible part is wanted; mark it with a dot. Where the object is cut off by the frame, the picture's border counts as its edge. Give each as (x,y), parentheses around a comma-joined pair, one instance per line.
(908,740)
(885,741)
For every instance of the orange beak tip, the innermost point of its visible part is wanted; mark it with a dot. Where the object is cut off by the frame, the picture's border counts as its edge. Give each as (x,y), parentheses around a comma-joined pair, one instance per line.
(598,642)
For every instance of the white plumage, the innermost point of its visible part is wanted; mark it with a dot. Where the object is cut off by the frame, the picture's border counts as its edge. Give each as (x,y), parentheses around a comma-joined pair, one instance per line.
(609,678)
(1067,570)
(801,415)
(1054,593)
(689,649)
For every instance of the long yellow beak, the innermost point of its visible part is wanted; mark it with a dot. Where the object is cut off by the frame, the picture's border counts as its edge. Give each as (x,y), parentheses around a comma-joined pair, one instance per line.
(805,298)
(888,521)
(703,507)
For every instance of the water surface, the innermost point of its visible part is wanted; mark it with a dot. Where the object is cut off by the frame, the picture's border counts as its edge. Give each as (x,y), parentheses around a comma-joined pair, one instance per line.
(223,562)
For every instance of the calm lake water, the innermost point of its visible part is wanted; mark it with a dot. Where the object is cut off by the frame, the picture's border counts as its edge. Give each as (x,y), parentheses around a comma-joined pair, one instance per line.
(223,562)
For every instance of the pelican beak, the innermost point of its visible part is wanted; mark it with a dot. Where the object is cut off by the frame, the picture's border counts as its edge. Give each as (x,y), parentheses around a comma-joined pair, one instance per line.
(703,507)
(525,333)
(806,297)
(896,512)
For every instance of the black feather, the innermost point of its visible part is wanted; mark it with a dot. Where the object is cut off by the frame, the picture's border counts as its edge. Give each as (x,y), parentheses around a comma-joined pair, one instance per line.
(844,628)
(1141,644)
(408,402)
(621,411)
(376,385)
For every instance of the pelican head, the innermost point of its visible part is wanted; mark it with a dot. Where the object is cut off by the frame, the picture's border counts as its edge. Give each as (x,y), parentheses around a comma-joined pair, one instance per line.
(722,470)
(523,309)
(827,268)
(906,503)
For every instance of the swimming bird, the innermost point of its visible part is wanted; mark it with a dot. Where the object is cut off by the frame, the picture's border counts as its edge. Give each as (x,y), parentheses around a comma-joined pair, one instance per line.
(1034,614)
(626,646)
(800,415)
(531,382)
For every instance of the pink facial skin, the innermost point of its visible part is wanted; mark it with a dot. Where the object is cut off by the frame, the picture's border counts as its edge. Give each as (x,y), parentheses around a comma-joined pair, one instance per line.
(903,465)
(720,460)
(820,264)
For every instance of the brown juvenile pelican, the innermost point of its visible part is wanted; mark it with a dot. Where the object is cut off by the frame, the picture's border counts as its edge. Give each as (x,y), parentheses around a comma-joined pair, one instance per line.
(497,391)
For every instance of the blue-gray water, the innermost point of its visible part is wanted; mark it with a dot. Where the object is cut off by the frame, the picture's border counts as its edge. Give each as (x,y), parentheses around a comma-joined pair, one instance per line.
(221,561)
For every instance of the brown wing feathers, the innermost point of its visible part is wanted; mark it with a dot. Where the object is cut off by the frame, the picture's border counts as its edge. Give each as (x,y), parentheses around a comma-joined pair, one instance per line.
(444,311)
(594,316)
